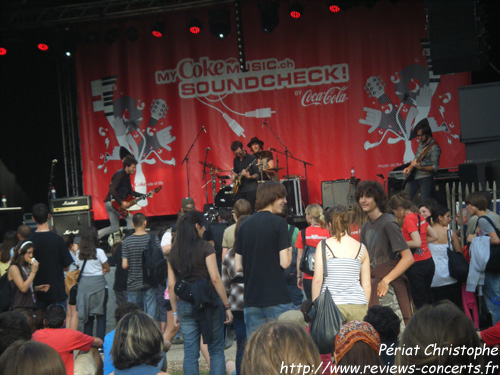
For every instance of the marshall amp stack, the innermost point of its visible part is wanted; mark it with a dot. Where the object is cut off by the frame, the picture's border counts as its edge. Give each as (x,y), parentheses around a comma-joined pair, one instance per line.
(71,214)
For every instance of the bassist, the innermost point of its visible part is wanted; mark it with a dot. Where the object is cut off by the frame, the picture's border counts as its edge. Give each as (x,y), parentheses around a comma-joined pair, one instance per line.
(425,164)
(249,174)
(119,188)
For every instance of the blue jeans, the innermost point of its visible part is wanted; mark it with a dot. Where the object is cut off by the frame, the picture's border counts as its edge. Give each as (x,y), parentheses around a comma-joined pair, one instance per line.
(241,337)
(144,298)
(191,335)
(256,316)
(426,186)
(491,289)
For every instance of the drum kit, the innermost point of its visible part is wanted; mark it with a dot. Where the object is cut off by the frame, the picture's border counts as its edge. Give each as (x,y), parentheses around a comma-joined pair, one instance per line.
(224,197)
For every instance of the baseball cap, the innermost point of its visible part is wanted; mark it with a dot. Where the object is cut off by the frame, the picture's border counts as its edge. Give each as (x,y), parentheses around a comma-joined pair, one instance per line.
(187,203)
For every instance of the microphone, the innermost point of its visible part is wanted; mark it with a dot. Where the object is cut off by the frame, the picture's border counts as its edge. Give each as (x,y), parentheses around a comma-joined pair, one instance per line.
(264,123)
(381,176)
(205,130)
(207,149)
(54,161)
(271,149)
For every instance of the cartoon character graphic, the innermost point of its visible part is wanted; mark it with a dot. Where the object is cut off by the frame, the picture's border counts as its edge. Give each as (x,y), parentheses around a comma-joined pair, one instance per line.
(415,86)
(125,115)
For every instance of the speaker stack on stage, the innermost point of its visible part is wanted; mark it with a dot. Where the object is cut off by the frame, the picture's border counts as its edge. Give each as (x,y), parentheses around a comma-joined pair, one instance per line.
(338,192)
(71,214)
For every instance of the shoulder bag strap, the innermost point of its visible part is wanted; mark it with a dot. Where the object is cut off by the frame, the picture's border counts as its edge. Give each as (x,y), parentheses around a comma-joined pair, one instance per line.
(360,246)
(303,235)
(323,248)
(81,271)
(449,240)
(490,221)
(418,218)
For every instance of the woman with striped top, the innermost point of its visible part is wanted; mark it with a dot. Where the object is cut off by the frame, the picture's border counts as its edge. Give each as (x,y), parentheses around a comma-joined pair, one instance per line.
(348,265)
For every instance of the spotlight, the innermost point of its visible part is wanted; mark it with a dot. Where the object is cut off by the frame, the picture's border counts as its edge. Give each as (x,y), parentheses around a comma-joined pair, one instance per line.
(194,26)
(158,29)
(111,35)
(43,47)
(132,34)
(219,22)
(3,51)
(68,53)
(296,9)
(269,15)
(334,8)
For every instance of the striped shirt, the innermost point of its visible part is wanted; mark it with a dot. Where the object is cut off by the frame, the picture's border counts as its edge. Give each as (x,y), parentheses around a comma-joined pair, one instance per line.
(132,249)
(343,280)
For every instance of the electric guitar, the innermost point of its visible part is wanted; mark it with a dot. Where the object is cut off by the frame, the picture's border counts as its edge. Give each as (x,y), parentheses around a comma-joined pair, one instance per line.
(237,180)
(132,200)
(411,169)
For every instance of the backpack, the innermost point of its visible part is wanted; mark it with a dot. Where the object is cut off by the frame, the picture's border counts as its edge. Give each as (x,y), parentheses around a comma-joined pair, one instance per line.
(307,261)
(291,271)
(6,292)
(154,269)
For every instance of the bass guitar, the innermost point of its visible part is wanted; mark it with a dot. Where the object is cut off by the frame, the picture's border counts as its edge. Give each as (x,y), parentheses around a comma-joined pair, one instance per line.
(237,180)
(410,176)
(132,200)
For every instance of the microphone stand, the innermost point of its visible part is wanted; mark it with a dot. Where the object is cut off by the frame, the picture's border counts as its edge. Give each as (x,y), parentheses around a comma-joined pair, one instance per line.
(186,158)
(288,154)
(51,179)
(204,178)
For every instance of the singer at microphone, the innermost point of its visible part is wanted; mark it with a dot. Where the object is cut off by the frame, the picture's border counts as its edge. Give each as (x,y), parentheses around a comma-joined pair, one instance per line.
(265,158)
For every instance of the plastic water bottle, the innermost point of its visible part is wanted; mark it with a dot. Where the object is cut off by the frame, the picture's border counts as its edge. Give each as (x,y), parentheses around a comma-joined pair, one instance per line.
(4,201)
(53,193)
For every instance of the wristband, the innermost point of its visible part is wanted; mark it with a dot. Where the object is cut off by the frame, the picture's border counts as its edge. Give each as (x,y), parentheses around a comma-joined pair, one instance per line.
(174,313)
(227,307)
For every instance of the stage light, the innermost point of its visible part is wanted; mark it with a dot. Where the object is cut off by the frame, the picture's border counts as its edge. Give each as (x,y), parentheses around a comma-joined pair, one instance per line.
(219,22)
(132,34)
(334,8)
(269,15)
(194,26)
(158,29)
(3,51)
(43,47)
(111,35)
(296,9)
(68,53)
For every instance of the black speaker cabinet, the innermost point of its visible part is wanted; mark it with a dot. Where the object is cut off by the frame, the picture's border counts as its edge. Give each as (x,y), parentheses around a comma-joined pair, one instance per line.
(295,188)
(473,174)
(457,43)
(72,222)
(337,193)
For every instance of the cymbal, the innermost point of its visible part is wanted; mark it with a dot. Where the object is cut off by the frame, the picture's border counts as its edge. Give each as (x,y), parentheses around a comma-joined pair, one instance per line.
(272,169)
(210,165)
(223,177)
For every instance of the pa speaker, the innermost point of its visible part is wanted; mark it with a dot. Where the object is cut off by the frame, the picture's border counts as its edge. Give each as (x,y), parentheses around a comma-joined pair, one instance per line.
(72,222)
(456,40)
(338,192)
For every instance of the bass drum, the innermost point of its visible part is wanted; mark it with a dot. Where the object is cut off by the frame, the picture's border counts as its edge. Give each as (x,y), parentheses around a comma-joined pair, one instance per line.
(224,197)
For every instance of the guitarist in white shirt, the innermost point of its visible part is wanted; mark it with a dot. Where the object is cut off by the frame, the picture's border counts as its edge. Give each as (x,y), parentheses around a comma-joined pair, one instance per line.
(426,163)
(119,188)
(245,174)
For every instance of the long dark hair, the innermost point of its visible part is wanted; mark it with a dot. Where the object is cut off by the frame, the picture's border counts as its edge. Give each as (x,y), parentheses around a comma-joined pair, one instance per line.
(187,241)
(88,243)
(9,241)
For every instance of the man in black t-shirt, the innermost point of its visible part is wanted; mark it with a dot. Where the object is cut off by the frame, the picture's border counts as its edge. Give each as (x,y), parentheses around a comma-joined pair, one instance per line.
(53,256)
(245,173)
(119,188)
(263,251)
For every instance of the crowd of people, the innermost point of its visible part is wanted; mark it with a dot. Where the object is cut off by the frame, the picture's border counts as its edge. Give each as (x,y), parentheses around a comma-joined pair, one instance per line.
(388,273)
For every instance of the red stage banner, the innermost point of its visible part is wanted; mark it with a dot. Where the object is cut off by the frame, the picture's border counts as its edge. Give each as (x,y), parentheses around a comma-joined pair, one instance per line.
(340,91)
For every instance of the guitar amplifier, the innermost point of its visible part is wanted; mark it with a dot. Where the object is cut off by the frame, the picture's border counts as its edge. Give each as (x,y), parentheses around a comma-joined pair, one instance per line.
(337,193)
(72,222)
(71,204)
(295,188)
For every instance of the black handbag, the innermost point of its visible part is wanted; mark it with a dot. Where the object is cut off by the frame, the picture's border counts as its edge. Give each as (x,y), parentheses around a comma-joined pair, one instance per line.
(493,264)
(307,260)
(183,290)
(327,318)
(457,265)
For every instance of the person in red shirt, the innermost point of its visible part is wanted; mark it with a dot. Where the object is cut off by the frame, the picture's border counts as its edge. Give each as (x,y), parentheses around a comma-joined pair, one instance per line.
(64,340)
(313,234)
(416,232)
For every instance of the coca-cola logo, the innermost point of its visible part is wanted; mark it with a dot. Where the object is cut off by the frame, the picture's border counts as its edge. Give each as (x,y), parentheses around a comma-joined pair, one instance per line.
(333,95)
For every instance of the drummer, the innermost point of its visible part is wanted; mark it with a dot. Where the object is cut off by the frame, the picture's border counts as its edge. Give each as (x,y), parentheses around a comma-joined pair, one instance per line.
(265,158)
